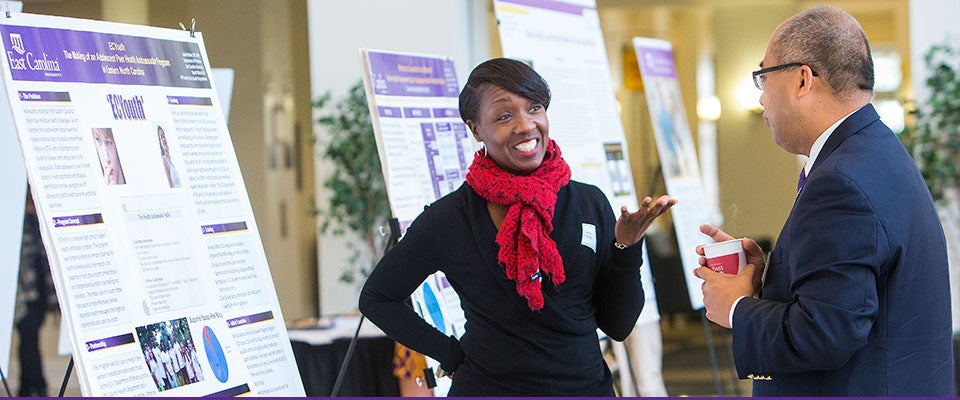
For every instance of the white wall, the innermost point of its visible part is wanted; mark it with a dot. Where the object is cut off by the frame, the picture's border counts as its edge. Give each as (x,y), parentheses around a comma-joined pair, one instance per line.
(931,21)
(455,28)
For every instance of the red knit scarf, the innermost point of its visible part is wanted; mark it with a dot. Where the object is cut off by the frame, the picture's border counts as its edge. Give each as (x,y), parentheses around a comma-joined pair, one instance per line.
(526,250)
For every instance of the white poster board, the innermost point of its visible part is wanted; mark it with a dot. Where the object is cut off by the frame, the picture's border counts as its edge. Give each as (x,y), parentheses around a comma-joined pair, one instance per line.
(153,246)
(563,42)
(14,180)
(425,149)
(678,157)
(223,80)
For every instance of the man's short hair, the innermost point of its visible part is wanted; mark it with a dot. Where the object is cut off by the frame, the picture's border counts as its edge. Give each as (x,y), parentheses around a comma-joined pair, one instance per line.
(832,43)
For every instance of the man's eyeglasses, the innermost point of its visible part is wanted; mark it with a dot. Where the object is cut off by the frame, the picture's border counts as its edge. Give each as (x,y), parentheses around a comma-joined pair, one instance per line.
(761,75)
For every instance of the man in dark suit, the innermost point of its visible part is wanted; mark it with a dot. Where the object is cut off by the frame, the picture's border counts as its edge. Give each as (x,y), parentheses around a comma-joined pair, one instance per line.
(855,299)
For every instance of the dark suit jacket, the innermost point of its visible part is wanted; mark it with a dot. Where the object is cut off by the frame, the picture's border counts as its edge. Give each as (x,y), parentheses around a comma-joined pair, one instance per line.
(856,300)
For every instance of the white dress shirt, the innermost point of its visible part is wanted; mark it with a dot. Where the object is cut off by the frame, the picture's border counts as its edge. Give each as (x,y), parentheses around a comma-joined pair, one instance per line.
(814,152)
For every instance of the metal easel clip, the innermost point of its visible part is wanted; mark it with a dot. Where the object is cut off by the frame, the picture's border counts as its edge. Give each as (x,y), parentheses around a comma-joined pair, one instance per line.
(193,26)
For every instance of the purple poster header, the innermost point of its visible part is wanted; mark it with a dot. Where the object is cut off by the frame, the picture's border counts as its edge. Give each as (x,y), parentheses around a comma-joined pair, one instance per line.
(43,96)
(192,101)
(416,76)
(109,342)
(76,220)
(250,319)
(553,5)
(222,228)
(656,62)
(235,391)
(446,113)
(63,55)
(389,112)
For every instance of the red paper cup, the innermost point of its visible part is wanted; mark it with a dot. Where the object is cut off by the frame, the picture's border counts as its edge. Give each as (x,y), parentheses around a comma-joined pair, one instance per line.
(726,257)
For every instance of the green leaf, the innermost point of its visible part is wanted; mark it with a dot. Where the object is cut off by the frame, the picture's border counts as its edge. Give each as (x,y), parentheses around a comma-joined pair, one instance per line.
(934,143)
(358,199)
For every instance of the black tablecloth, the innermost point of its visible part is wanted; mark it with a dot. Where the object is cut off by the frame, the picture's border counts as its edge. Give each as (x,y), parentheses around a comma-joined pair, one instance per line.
(370,372)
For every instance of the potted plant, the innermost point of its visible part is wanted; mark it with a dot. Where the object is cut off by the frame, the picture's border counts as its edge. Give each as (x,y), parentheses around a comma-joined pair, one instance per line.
(935,141)
(358,194)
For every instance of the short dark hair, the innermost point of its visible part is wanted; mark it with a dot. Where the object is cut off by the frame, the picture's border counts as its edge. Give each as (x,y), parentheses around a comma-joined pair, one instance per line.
(511,75)
(832,43)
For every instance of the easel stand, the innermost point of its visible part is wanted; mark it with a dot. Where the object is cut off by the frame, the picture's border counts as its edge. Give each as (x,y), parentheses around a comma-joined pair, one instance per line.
(713,353)
(4,378)
(394,238)
(714,363)
(66,378)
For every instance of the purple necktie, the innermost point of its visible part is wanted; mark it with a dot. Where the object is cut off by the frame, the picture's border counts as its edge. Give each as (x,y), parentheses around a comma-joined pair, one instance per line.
(803,177)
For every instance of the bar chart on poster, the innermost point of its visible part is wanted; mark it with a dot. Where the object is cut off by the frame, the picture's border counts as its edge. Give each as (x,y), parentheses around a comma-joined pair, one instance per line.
(154,249)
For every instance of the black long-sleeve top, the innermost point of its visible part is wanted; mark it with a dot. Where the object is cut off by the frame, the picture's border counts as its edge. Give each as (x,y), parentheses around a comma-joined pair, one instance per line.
(507,348)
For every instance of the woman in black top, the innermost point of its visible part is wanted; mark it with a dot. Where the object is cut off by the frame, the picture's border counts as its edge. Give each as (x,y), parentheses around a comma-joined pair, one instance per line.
(539,261)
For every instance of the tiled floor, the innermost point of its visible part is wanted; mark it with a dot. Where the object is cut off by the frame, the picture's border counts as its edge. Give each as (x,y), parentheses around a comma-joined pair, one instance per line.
(687,366)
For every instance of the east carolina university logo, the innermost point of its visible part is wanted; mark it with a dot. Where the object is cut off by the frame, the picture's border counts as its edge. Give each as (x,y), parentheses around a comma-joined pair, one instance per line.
(27,60)
(16,42)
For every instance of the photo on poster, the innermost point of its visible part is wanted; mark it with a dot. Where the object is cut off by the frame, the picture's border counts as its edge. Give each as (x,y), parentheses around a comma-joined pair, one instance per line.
(678,158)
(169,170)
(109,156)
(618,169)
(170,354)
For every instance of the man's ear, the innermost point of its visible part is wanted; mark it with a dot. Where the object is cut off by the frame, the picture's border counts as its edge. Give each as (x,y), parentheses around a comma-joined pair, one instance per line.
(806,81)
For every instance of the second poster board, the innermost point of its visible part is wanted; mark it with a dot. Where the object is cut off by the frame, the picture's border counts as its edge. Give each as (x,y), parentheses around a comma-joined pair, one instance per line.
(584,119)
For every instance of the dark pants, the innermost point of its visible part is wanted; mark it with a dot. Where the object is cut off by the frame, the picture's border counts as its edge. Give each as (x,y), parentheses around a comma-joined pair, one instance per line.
(32,382)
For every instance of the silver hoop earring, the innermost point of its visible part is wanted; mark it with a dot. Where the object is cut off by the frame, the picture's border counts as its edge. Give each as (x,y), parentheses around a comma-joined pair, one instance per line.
(481,150)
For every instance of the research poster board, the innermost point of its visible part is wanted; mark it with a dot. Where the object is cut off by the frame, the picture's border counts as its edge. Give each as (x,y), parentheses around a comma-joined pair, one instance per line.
(223,80)
(678,156)
(425,150)
(14,179)
(154,249)
(563,42)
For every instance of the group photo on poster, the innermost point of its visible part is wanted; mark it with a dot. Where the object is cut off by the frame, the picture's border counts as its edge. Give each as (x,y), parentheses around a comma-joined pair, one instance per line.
(170,354)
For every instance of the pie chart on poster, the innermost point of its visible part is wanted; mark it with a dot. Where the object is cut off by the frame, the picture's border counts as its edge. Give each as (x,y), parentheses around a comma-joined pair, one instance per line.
(218,362)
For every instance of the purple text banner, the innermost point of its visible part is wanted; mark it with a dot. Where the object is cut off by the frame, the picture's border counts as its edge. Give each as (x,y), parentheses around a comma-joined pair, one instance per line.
(64,55)
(415,76)
(657,62)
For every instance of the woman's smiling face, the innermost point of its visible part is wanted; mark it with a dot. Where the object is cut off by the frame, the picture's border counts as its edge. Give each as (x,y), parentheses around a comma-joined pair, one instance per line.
(513,129)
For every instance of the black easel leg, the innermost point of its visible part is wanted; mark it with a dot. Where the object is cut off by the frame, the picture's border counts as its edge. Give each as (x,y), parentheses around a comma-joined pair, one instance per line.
(394,238)
(713,353)
(5,387)
(346,360)
(66,377)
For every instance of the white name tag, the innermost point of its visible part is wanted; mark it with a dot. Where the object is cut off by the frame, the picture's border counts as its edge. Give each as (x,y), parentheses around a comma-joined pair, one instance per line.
(589,237)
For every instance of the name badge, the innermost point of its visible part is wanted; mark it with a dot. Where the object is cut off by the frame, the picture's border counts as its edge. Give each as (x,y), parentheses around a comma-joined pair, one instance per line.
(589,237)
